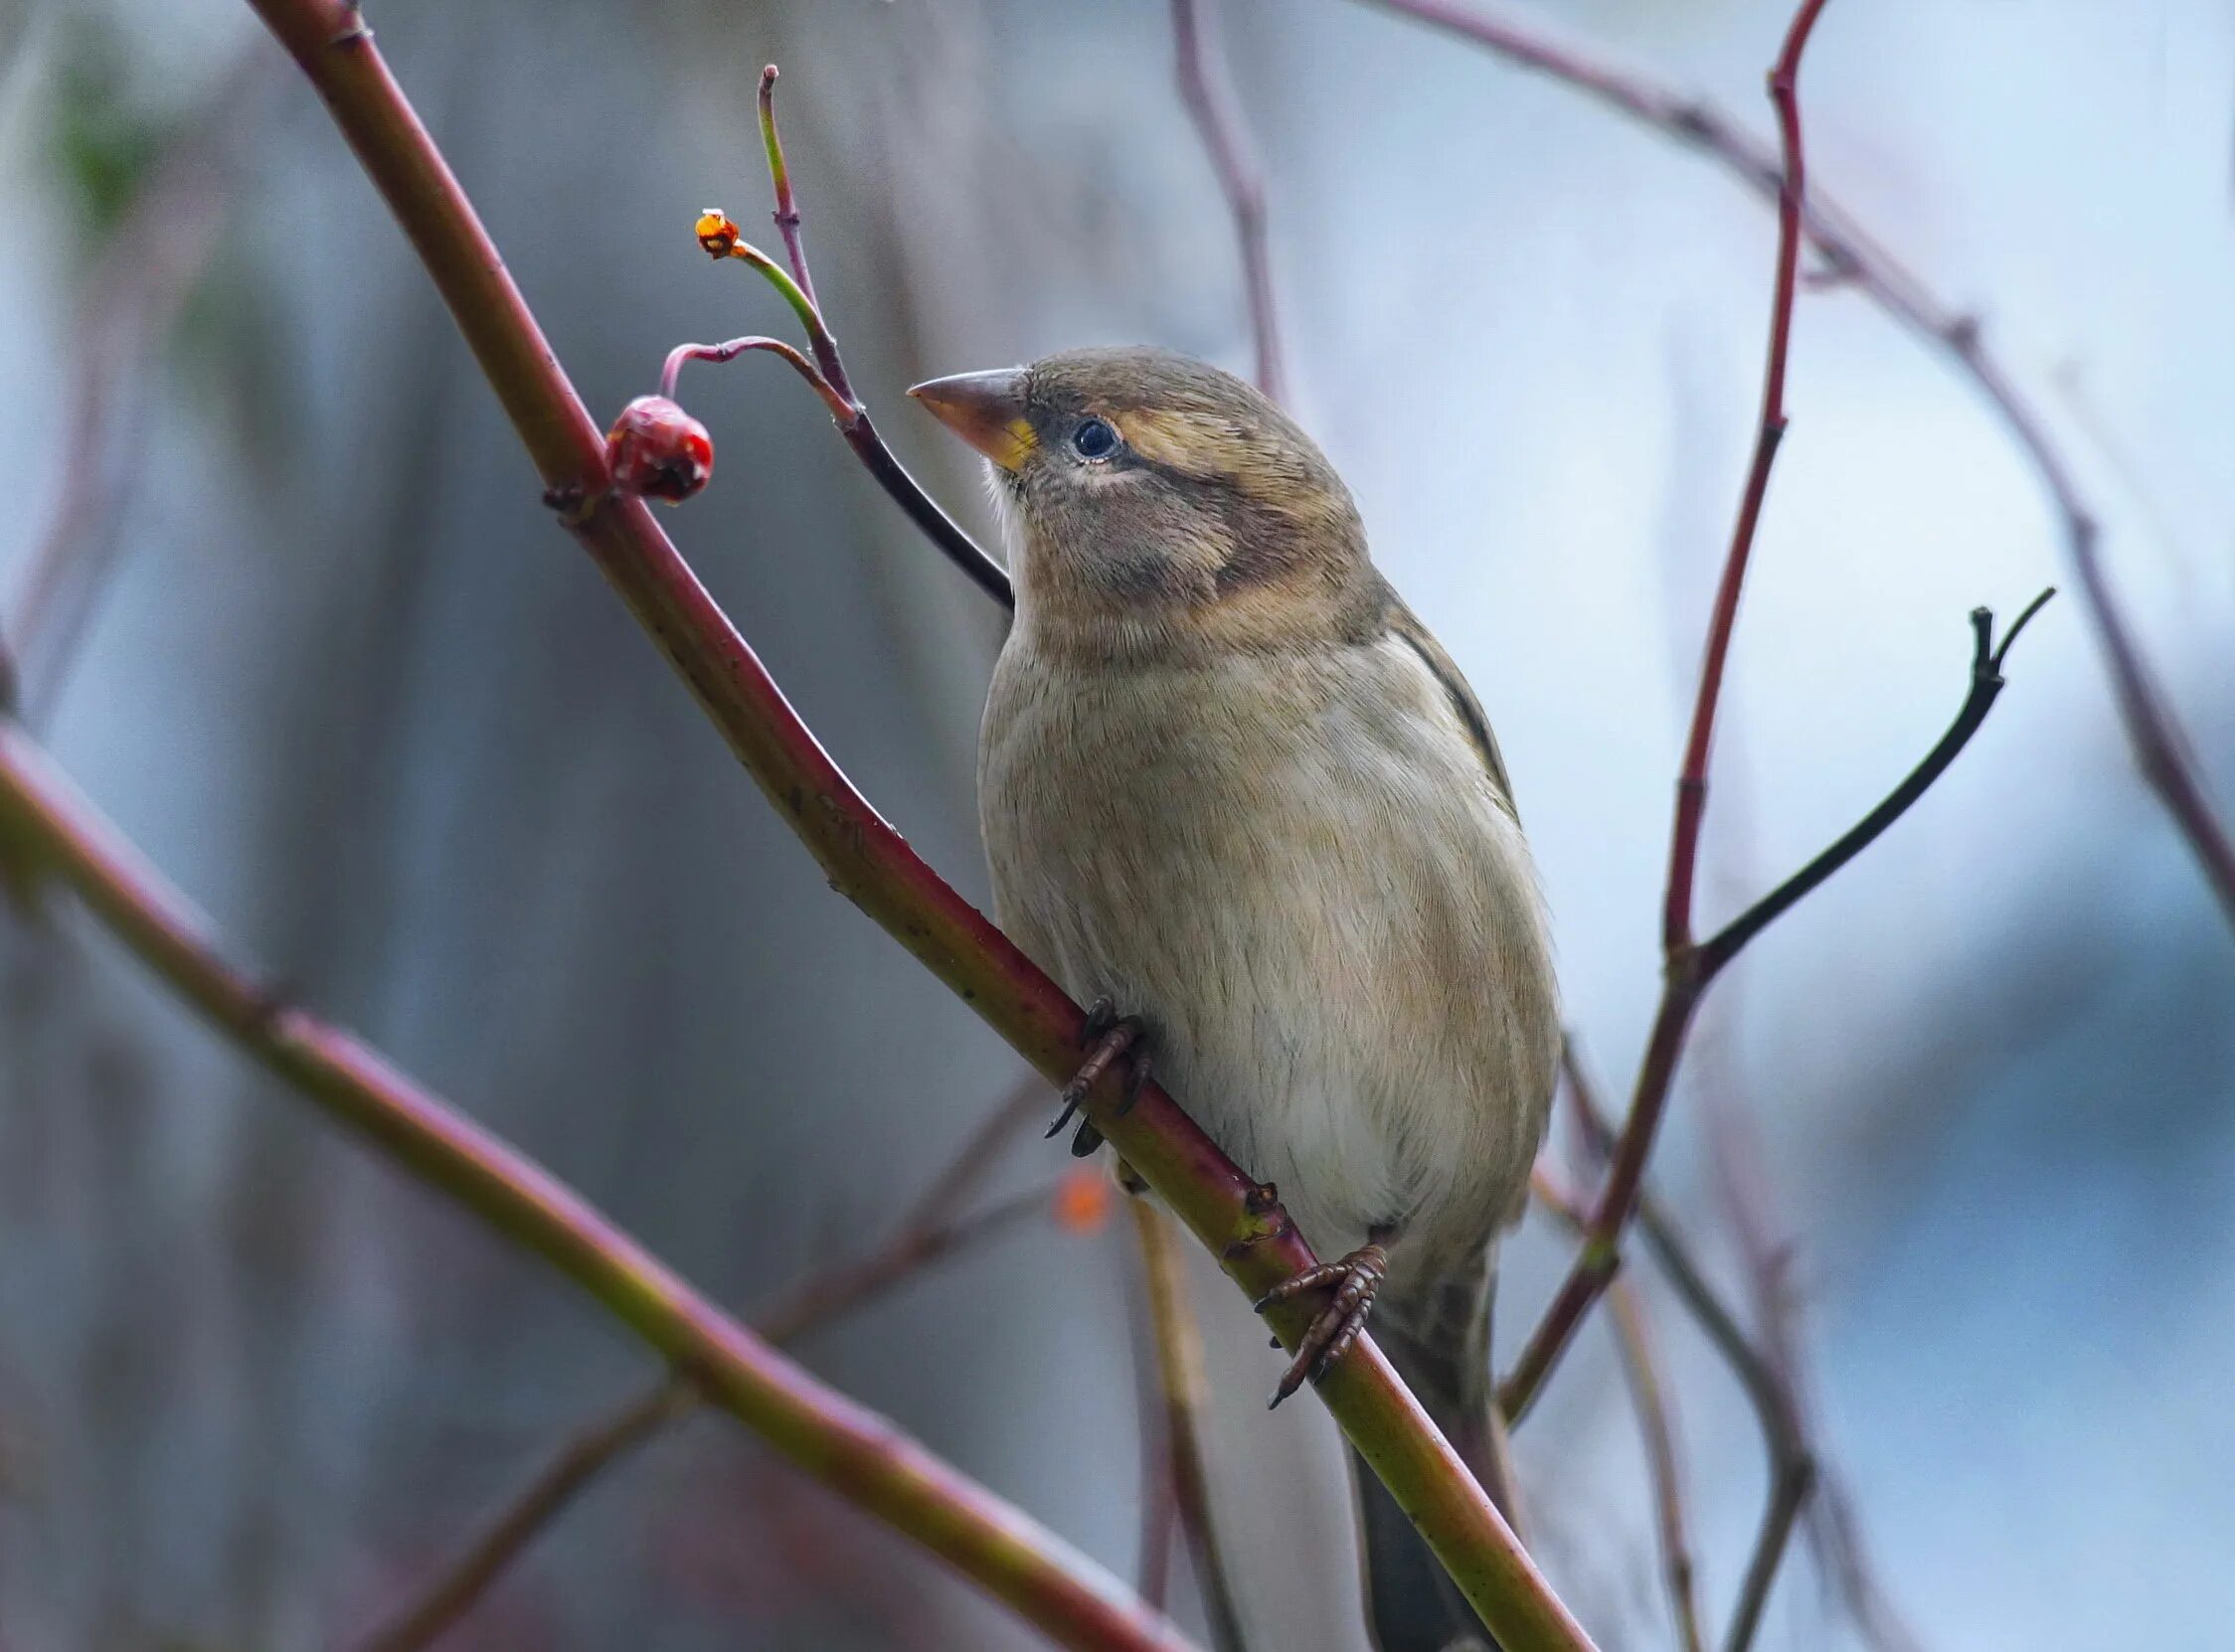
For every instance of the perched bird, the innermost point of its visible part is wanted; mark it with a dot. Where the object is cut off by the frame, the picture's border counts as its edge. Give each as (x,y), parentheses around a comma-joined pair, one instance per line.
(1230,785)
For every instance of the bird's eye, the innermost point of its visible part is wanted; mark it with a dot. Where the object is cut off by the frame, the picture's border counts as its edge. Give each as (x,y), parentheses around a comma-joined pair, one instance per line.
(1095,438)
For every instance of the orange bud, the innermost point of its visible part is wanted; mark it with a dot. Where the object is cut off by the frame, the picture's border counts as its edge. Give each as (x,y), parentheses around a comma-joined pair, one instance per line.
(717,233)
(658,449)
(1083,1198)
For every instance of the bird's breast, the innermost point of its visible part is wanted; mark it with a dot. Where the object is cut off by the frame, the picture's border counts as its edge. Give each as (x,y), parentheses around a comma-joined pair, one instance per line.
(1295,866)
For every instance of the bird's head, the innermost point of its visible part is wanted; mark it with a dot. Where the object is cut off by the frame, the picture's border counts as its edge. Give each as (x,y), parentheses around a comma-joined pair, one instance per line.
(1156,501)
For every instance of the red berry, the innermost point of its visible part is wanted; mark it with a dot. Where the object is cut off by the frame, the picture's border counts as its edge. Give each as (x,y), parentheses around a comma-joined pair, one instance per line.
(658,449)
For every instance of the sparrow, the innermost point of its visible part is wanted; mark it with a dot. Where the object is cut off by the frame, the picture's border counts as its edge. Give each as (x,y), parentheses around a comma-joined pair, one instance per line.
(1229,783)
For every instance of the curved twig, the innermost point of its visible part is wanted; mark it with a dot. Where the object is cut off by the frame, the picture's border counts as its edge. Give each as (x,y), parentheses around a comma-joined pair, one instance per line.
(840,409)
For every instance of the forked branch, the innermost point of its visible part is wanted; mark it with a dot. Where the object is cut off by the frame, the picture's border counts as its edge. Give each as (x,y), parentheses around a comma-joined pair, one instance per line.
(1856,258)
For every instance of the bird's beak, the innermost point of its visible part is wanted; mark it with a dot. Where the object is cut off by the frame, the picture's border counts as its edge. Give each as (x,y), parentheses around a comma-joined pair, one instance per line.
(986,410)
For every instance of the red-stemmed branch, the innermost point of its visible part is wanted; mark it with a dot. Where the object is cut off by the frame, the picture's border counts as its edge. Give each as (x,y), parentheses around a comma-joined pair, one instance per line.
(1856,258)
(1208,91)
(869,863)
(1692,782)
(1689,968)
(1680,994)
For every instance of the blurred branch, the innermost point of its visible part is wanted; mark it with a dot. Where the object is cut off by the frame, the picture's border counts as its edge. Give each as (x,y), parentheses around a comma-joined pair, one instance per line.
(1859,259)
(1766,1266)
(587,1453)
(868,862)
(934,1227)
(154,257)
(722,238)
(1185,1392)
(1655,1424)
(1208,91)
(1793,1470)
(858,1455)
(1649,1398)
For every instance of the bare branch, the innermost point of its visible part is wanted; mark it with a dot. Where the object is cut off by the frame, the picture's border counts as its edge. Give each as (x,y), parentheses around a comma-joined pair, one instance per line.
(1596,1265)
(1208,91)
(1689,974)
(932,1229)
(1793,1471)
(1184,1392)
(1648,1395)
(1857,258)
(593,1449)
(1766,1268)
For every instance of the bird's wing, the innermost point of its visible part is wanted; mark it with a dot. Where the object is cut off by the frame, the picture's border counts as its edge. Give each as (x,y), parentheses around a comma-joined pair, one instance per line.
(1406,626)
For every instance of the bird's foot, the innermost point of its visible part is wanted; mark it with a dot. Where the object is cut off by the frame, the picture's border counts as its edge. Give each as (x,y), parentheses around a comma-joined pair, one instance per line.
(1107,1037)
(1354,1281)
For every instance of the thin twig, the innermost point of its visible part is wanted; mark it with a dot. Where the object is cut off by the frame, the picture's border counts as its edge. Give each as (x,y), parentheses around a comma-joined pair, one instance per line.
(1655,1421)
(930,1230)
(1859,259)
(1208,91)
(1766,1268)
(1159,1514)
(1794,1469)
(1185,1392)
(722,238)
(1647,1394)
(588,1452)
(786,212)
(734,348)
(1241,1222)
(1691,780)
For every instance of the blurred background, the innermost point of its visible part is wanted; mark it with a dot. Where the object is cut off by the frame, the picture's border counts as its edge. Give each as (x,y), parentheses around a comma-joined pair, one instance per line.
(311,639)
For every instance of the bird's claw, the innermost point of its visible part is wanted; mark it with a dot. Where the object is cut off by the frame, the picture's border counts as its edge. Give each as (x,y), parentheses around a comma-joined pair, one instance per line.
(1355,1279)
(1107,1035)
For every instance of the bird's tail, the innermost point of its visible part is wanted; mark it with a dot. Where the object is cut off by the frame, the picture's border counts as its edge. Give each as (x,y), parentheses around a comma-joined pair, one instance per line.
(1444,1355)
